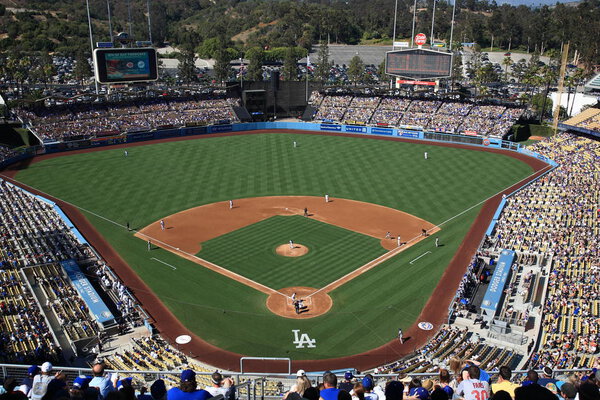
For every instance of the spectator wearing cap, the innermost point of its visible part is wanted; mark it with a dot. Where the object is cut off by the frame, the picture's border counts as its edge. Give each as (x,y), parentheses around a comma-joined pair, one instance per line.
(28,380)
(546,377)
(187,388)
(567,390)
(300,372)
(368,385)
(347,384)
(80,385)
(532,390)
(221,386)
(41,381)
(416,390)
(504,382)
(330,390)
(100,381)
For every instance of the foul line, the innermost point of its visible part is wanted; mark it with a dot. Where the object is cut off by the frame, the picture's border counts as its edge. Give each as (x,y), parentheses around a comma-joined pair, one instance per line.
(424,254)
(156,259)
(207,264)
(373,263)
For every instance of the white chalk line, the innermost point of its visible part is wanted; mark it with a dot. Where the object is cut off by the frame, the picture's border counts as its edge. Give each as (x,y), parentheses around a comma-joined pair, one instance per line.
(422,255)
(153,240)
(378,260)
(397,250)
(156,259)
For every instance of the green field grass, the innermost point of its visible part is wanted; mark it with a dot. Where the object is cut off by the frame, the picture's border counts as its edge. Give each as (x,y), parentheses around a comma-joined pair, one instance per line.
(333,252)
(157,180)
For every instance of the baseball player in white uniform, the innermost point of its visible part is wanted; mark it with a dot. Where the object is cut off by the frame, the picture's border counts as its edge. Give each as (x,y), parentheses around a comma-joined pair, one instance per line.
(291,244)
(162,224)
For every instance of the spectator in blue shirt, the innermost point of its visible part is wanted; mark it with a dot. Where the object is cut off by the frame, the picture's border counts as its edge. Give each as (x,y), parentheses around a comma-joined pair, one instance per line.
(187,388)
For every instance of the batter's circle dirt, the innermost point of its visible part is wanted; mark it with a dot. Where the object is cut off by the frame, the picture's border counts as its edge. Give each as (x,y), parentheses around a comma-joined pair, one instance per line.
(170,327)
(297,251)
(314,302)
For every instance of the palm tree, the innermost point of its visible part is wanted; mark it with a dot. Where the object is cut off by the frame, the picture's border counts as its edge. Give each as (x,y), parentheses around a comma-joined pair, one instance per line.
(507,62)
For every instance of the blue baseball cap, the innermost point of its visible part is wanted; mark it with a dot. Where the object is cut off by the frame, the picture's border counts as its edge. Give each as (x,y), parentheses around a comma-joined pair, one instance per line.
(348,375)
(188,376)
(33,370)
(367,383)
(420,393)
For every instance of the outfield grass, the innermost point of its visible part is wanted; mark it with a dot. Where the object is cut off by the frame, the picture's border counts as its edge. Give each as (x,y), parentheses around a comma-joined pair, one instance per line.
(157,180)
(333,252)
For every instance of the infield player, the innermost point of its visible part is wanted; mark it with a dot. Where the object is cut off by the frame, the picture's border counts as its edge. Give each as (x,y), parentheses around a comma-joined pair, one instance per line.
(149,245)
(398,241)
(162,224)
(326,198)
(400,336)
(291,244)
(230,204)
(388,235)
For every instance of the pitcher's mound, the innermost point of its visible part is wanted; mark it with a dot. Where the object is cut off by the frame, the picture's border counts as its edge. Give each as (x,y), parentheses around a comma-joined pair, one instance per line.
(287,251)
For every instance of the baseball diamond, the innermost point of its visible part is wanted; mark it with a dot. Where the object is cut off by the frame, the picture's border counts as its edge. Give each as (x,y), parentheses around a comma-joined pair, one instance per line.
(453,193)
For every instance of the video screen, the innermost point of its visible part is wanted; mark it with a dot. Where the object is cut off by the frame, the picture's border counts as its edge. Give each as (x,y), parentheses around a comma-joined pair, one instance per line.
(125,65)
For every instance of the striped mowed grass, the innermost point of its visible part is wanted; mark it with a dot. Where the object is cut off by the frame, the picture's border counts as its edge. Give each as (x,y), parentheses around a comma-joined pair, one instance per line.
(250,252)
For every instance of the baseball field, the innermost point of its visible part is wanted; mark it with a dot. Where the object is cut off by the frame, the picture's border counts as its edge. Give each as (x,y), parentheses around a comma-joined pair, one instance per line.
(216,274)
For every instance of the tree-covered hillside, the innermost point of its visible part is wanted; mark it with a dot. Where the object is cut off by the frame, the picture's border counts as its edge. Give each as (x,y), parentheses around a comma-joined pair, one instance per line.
(48,25)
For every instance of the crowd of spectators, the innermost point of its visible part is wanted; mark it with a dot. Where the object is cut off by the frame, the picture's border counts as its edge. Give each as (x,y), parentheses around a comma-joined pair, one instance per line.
(86,120)
(462,379)
(33,235)
(554,223)
(450,117)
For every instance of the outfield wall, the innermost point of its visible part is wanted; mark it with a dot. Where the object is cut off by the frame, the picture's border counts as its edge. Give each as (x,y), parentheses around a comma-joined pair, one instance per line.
(134,137)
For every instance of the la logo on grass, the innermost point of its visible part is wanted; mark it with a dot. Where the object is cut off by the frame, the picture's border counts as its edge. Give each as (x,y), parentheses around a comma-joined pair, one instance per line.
(302,339)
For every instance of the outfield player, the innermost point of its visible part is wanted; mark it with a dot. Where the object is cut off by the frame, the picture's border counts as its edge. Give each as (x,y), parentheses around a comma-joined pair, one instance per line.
(426,155)
(295,144)
(149,245)
(437,242)
(126,153)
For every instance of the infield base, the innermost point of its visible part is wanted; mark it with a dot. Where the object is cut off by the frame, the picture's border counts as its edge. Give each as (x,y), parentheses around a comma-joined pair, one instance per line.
(314,304)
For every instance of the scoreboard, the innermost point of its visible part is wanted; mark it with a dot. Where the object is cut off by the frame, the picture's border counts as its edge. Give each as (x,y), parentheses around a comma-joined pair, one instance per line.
(125,65)
(418,63)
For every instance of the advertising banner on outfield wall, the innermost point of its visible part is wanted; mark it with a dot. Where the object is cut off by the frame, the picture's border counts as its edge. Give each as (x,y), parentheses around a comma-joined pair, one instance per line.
(356,129)
(382,131)
(331,127)
(221,128)
(409,134)
(135,137)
